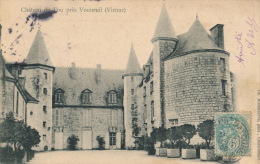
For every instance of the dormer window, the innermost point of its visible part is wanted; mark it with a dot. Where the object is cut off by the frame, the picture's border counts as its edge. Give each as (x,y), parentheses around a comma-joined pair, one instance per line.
(59,96)
(112,97)
(86,96)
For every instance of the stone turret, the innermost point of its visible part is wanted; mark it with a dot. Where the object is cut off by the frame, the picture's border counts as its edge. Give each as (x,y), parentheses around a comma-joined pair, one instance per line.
(132,77)
(38,70)
(164,42)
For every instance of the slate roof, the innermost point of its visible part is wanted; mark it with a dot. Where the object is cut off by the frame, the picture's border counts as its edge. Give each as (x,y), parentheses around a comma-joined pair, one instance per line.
(75,80)
(164,28)
(38,53)
(196,38)
(29,98)
(133,65)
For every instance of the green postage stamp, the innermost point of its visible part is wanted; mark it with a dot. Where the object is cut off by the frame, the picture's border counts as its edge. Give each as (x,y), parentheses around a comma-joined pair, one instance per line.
(233,134)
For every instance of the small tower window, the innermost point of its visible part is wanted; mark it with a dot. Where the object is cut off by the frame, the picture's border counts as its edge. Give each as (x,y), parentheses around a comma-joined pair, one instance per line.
(222,64)
(112,97)
(44,109)
(151,87)
(59,96)
(224,89)
(152,109)
(132,91)
(44,124)
(144,91)
(45,91)
(45,76)
(86,96)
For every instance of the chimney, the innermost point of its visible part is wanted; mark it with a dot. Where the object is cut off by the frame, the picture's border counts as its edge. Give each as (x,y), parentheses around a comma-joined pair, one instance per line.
(73,71)
(98,74)
(217,34)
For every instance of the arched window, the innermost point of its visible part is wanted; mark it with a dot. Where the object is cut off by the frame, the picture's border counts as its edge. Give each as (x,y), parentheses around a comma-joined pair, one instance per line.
(59,96)
(86,96)
(112,97)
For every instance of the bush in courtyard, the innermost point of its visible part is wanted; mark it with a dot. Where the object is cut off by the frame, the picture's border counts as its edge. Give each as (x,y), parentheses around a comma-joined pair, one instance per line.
(72,142)
(149,145)
(187,131)
(159,134)
(206,131)
(101,142)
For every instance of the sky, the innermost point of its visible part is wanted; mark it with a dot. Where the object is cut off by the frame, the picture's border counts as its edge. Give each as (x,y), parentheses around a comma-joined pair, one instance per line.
(90,38)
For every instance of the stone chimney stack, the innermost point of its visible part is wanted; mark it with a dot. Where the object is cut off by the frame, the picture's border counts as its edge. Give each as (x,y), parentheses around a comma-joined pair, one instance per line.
(98,74)
(73,71)
(217,34)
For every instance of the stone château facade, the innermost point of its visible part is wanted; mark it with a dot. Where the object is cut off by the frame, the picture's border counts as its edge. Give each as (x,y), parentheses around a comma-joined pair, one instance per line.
(185,80)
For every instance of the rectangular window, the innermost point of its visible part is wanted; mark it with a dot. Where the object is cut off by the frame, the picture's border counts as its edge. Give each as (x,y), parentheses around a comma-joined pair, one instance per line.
(57,118)
(112,138)
(132,91)
(86,97)
(45,91)
(44,137)
(44,124)
(222,63)
(173,122)
(44,109)
(59,97)
(45,76)
(113,118)
(112,98)
(152,109)
(224,89)
(151,87)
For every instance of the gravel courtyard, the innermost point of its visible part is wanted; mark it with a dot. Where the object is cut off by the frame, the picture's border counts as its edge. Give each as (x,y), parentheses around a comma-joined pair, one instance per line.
(106,157)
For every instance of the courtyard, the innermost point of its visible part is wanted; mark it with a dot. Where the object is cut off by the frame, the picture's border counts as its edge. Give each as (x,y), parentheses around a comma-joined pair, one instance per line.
(106,157)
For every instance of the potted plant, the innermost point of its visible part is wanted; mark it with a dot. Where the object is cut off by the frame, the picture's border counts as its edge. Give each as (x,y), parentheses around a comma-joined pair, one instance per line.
(206,131)
(160,136)
(173,135)
(188,131)
(149,145)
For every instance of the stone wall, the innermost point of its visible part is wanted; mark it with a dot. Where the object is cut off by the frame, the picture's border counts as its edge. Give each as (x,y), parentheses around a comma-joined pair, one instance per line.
(193,87)
(75,120)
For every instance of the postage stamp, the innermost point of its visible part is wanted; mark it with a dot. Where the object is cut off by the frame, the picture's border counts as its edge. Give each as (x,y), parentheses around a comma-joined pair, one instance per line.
(233,134)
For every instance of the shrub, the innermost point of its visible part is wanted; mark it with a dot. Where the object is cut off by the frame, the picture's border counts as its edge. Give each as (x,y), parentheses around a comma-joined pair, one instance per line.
(206,131)
(72,142)
(173,135)
(159,134)
(149,145)
(101,142)
(187,131)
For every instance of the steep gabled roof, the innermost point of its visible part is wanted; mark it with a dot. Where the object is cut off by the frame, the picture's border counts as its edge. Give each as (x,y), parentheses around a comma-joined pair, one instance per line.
(133,65)
(38,53)
(164,28)
(196,39)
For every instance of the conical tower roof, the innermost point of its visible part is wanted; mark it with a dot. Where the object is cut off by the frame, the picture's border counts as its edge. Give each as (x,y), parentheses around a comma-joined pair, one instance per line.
(38,53)
(133,65)
(164,27)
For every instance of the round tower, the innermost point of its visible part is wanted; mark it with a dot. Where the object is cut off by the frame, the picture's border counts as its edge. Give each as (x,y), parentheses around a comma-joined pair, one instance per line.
(197,78)
(132,78)
(38,70)
(164,42)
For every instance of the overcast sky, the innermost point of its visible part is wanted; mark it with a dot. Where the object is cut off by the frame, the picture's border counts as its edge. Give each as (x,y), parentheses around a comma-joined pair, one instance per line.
(90,38)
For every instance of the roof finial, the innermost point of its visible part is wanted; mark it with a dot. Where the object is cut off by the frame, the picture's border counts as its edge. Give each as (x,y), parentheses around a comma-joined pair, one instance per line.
(197,16)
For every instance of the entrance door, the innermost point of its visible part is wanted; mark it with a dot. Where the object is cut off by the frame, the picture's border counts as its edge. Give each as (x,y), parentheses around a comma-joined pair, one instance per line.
(58,140)
(87,139)
(112,140)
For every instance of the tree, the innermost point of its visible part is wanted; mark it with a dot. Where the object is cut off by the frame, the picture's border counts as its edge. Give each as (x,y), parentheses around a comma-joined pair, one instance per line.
(159,134)
(101,142)
(174,135)
(206,131)
(72,142)
(187,131)
(18,134)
